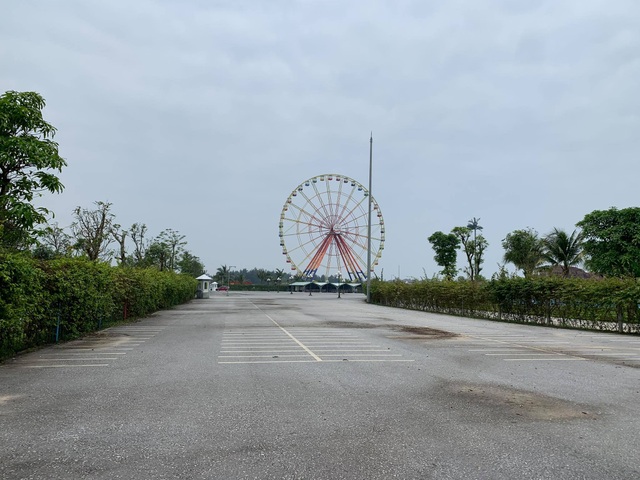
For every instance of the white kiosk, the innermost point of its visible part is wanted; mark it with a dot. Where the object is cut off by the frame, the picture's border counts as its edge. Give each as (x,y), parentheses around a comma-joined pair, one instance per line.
(203,286)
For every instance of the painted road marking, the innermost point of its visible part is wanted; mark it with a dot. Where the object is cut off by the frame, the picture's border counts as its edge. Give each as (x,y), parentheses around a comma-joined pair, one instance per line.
(514,354)
(67,365)
(74,359)
(291,345)
(546,350)
(543,359)
(93,349)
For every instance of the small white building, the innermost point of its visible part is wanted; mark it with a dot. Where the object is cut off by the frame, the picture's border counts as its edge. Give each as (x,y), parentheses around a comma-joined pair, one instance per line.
(204,285)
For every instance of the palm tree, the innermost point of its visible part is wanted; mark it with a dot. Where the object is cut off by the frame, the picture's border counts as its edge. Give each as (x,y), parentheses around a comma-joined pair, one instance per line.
(262,275)
(563,249)
(222,273)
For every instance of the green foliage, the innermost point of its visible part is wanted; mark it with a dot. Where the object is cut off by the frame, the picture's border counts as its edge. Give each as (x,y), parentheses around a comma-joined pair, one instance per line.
(21,301)
(92,231)
(80,291)
(612,241)
(473,247)
(82,294)
(28,155)
(611,304)
(446,248)
(524,249)
(189,264)
(563,249)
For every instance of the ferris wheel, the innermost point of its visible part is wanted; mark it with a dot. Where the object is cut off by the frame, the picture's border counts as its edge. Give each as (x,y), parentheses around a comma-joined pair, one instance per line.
(323,229)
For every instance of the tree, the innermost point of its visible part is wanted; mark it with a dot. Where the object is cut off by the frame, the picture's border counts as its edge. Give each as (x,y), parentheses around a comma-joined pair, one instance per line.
(563,249)
(480,244)
(473,248)
(222,274)
(175,244)
(524,249)
(28,155)
(262,275)
(55,240)
(137,233)
(157,255)
(612,241)
(446,246)
(120,236)
(92,230)
(464,235)
(190,264)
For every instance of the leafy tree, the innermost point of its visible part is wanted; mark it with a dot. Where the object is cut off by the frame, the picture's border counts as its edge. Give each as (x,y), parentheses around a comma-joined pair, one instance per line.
(157,255)
(54,240)
(473,247)
(164,250)
(28,155)
(190,264)
(480,244)
(563,249)
(175,244)
(466,241)
(120,236)
(446,246)
(524,249)
(137,233)
(92,230)
(612,241)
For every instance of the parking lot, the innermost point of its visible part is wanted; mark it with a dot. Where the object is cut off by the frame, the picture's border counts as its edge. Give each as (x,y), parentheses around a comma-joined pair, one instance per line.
(278,385)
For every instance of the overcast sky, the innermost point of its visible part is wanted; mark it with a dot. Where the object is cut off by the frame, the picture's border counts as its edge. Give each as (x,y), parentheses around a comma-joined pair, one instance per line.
(202,115)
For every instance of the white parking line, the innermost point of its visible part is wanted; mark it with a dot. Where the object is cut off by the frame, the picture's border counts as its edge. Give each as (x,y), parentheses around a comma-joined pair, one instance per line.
(567,359)
(67,366)
(263,350)
(494,349)
(93,353)
(527,354)
(304,347)
(73,359)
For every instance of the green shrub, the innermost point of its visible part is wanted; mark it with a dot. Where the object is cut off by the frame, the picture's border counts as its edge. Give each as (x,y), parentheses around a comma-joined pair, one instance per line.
(609,304)
(43,301)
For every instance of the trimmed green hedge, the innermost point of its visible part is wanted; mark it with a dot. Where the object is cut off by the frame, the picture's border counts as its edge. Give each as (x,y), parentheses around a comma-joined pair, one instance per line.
(610,304)
(45,301)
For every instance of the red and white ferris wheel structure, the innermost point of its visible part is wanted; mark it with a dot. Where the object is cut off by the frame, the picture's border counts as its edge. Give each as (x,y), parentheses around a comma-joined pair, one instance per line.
(324,229)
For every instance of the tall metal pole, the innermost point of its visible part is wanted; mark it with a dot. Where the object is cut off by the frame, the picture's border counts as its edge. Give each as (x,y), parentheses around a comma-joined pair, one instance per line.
(369,222)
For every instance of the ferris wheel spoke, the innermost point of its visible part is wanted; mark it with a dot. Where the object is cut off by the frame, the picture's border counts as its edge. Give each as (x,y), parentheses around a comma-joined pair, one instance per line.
(298,223)
(348,201)
(317,213)
(349,258)
(302,211)
(316,261)
(320,200)
(312,243)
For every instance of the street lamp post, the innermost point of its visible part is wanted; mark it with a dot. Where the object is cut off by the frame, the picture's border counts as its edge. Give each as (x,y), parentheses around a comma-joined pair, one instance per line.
(269,284)
(278,283)
(339,282)
(229,278)
(369,222)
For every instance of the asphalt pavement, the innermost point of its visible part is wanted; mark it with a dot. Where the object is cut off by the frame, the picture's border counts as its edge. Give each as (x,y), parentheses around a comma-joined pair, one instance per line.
(291,386)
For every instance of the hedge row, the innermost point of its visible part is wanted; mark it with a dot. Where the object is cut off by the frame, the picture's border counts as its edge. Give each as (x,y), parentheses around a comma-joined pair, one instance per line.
(45,301)
(609,304)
